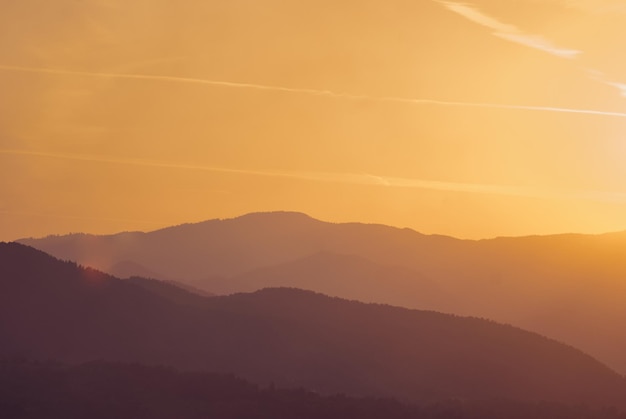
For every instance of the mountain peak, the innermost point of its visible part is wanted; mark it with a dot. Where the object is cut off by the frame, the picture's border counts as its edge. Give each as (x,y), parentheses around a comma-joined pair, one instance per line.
(277,215)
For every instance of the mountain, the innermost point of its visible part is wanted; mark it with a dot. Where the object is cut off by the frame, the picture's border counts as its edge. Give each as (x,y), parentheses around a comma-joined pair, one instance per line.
(57,310)
(36,390)
(171,290)
(569,287)
(128,269)
(43,390)
(345,276)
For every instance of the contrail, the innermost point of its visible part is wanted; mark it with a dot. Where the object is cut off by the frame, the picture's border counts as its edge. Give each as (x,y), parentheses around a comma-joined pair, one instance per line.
(167,165)
(312,92)
(353,179)
(504,106)
(133,162)
(174,79)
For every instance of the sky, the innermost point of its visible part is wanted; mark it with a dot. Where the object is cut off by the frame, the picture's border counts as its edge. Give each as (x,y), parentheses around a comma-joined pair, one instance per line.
(472,119)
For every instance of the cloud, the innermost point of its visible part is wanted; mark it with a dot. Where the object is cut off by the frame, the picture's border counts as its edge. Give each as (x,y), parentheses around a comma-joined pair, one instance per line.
(601,77)
(508,32)
(620,86)
(312,92)
(514,34)
(509,190)
(539,43)
(365,179)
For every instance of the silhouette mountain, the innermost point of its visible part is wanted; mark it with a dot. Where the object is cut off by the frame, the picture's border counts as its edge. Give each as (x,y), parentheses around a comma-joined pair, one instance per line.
(568,287)
(128,268)
(334,274)
(57,310)
(44,390)
(171,290)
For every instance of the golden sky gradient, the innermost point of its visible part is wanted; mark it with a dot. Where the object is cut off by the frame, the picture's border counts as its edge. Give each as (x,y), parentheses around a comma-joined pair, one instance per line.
(472,119)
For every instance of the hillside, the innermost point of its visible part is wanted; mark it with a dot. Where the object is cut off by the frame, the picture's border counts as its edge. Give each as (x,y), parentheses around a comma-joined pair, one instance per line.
(48,391)
(568,287)
(55,310)
(344,276)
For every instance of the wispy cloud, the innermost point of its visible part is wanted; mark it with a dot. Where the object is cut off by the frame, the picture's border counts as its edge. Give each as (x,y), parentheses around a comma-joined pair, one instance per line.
(508,32)
(619,86)
(509,190)
(514,34)
(601,77)
(365,179)
(312,92)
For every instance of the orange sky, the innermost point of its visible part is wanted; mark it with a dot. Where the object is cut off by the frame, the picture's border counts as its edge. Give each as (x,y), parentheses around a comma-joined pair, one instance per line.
(471,119)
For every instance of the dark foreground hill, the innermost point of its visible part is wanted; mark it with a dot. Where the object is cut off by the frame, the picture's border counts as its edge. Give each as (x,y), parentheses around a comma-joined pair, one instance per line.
(568,287)
(57,310)
(122,391)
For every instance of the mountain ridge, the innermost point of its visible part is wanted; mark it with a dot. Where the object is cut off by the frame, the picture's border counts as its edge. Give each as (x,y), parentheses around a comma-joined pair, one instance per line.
(547,284)
(46,390)
(304,216)
(54,309)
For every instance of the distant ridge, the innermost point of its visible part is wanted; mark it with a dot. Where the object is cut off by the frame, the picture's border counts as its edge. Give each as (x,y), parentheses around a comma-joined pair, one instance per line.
(327,272)
(56,310)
